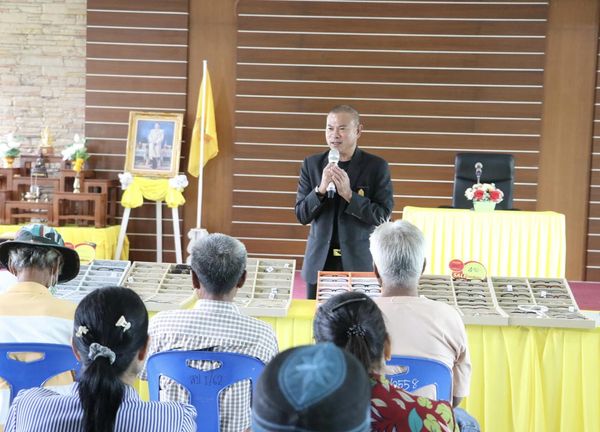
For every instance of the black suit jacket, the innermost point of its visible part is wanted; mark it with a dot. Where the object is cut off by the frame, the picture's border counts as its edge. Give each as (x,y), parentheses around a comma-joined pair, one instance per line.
(371,204)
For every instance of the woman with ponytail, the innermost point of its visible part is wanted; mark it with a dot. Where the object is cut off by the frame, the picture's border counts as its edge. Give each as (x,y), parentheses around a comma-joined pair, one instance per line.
(354,322)
(110,338)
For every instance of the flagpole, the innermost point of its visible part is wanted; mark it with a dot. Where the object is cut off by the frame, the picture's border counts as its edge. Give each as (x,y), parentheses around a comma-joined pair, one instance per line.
(202,138)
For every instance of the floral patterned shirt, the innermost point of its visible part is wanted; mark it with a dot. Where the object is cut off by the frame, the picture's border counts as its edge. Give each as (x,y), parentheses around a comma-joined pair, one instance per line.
(393,409)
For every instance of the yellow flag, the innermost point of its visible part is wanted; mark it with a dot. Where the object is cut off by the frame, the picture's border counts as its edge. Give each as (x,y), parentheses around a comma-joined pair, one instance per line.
(211,144)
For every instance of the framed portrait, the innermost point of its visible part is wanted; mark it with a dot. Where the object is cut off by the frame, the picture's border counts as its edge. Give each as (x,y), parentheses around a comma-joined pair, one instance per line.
(153,144)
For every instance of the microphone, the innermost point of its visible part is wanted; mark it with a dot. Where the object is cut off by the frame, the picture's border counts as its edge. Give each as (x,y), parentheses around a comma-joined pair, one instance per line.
(478,170)
(334,157)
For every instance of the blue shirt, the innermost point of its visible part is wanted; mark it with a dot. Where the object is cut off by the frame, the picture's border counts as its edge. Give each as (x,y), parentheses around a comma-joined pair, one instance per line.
(42,410)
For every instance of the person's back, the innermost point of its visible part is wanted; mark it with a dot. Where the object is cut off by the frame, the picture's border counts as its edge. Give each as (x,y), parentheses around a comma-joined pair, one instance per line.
(353,321)
(110,339)
(37,259)
(429,329)
(420,327)
(216,324)
(417,326)
(63,413)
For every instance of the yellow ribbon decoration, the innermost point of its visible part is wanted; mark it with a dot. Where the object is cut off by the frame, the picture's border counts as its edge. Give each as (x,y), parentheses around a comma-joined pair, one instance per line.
(153,190)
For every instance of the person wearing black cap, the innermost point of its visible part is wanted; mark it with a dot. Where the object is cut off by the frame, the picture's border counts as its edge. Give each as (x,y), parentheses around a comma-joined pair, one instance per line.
(314,388)
(28,311)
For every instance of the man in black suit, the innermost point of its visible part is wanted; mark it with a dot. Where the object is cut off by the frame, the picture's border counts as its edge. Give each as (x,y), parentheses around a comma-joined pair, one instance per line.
(340,226)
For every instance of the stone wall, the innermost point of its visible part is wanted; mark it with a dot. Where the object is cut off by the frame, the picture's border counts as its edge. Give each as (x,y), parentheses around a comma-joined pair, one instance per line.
(42,68)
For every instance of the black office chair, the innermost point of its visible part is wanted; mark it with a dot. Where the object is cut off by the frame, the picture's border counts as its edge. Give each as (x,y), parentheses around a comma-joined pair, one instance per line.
(497,168)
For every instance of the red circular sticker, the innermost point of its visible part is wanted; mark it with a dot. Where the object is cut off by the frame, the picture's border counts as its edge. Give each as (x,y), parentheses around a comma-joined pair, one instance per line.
(456,265)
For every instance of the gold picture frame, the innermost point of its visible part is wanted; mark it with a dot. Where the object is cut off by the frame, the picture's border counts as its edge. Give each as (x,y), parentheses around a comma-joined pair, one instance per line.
(154,144)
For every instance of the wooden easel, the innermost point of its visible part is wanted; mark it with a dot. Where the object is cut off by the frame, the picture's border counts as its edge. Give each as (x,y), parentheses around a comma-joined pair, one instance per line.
(159,247)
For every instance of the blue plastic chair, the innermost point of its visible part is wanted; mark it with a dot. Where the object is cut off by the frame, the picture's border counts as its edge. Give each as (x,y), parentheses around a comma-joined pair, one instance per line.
(419,372)
(27,374)
(204,386)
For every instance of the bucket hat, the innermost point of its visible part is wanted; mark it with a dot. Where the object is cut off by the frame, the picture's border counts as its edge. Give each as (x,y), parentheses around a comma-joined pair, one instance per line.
(43,236)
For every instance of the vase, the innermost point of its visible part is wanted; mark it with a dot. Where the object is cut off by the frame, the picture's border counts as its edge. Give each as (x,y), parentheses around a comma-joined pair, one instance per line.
(8,161)
(484,206)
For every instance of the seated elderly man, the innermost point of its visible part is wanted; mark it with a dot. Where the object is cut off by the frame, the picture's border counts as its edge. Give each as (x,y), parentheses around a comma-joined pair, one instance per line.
(419,326)
(218,270)
(39,260)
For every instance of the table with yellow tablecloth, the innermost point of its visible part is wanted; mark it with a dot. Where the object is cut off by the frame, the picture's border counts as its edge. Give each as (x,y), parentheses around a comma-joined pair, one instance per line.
(508,243)
(105,240)
(525,379)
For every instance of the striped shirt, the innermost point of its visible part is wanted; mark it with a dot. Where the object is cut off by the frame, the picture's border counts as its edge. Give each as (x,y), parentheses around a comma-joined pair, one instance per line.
(29,313)
(215,326)
(42,410)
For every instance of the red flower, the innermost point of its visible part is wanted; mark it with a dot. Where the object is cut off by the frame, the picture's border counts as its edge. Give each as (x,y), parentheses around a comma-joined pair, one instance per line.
(495,195)
(478,195)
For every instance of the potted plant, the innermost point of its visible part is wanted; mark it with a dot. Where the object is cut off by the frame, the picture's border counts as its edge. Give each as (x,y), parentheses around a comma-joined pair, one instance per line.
(10,148)
(485,196)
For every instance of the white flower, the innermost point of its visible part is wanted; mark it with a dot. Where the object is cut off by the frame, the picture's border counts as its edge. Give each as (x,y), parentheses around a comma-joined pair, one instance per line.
(126,179)
(12,141)
(179,182)
(78,140)
(68,153)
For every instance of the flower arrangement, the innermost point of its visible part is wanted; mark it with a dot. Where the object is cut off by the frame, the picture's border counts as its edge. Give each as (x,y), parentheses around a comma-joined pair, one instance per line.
(484,192)
(76,152)
(10,146)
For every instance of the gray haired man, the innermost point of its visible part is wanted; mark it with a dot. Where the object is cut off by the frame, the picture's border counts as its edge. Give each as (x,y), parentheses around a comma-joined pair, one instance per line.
(418,326)
(215,323)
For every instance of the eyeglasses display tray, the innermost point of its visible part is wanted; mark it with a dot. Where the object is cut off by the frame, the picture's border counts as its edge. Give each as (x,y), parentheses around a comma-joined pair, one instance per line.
(267,290)
(97,274)
(268,287)
(162,286)
(540,302)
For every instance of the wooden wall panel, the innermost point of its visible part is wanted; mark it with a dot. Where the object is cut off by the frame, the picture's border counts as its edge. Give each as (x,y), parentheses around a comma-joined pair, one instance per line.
(137,60)
(567,127)
(592,257)
(429,82)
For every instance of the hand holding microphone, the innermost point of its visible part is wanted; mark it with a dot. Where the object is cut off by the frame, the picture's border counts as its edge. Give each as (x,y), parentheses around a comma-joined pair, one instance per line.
(334,158)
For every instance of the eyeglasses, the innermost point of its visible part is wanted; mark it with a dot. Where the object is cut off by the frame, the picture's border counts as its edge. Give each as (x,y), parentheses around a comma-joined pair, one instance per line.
(434,284)
(108,269)
(514,295)
(334,279)
(461,301)
(470,293)
(441,299)
(464,291)
(143,280)
(333,290)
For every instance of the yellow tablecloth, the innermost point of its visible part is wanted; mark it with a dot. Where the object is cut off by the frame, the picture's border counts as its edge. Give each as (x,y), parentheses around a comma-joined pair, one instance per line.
(525,379)
(508,243)
(104,238)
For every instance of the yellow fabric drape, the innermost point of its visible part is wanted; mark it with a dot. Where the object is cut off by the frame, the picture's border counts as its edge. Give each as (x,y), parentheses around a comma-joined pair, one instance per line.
(534,379)
(507,243)
(153,190)
(105,240)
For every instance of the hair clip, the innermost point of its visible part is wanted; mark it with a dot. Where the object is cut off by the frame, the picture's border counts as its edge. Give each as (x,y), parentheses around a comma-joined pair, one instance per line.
(97,350)
(81,330)
(122,322)
(356,330)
